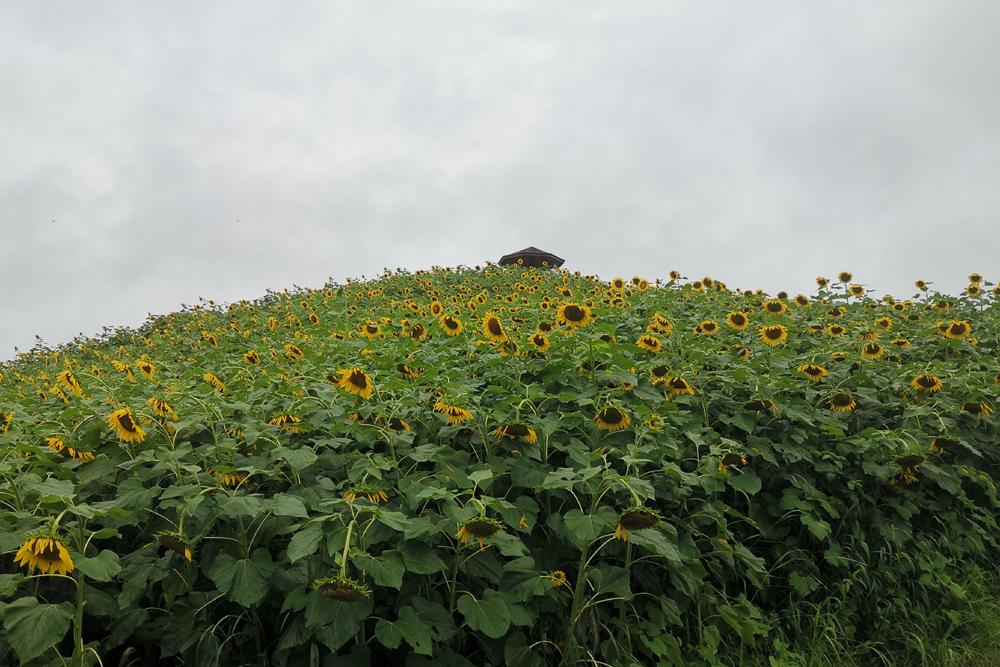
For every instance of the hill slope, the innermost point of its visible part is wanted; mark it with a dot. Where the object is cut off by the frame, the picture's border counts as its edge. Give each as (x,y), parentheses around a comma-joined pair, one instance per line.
(498,466)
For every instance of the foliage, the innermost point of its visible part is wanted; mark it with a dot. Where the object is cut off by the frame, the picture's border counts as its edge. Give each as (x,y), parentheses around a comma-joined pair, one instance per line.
(499,466)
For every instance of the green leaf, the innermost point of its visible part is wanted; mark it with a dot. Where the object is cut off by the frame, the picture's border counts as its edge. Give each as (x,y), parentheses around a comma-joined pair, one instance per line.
(478,476)
(437,617)
(285,505)
(657,542)
(244,580)
(102,567)
(408,626)
(299,459)
(335,622)
(386,569)
(419,558)
(305,542)
(237,506)
(53,488)
(746,481)
(488,614)
(34,628)
(9,584)
(582,529)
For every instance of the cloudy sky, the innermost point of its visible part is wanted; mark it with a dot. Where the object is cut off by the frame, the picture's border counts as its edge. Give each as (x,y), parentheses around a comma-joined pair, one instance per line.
(149,156)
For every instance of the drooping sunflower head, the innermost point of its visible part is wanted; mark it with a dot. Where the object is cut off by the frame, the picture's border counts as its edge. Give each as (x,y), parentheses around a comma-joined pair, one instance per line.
(341,589)
(520,432)
(123,424)
(649,343)
(69,381)
(454,413)
(46,553)
(637,517)
(407,372)
(477,529)
(978,410)
(612,419)
(398,424)
(356,381)
(884,323)
(678,386)
(761,405)
(901,343)
(251,357)
(773,335)
(176,542)
(287,422)
(842,402)
(659,374)
(928,384)
(374,494)
(814,372)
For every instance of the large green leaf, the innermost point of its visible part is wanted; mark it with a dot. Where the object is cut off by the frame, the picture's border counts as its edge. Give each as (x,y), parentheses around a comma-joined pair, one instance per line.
(102,567)
(305,542)
(488,614)
(243,580)
(34,628)
(386,569)
(419,558)
(407,626)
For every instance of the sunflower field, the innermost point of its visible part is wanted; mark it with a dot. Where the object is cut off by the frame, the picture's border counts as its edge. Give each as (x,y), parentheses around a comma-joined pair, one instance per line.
(499,466)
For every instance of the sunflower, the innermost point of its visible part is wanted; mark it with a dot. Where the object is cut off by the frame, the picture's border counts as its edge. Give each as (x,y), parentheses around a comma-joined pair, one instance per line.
(958,329)
(407,372)
(708,328)
(942,445)
(884,323)
(761,405)
(520,432)
(774,307)
(493,328)
(929,384)
(161,408)
(398,425)
(659,324)
(802,301)
(901,343)
(293,352)
(57,446)
(176,542)
(975,278)
(558,578)
(229,479)
(454,413)
(287,422)
(251,357)
(845,277)
(477,529)
(540,342)
(649,343)
(730,459)
(355,381)
(973,290)
(742,351)
(856,290)
(451,325)
(678,386)
(978,410)
(773,335)
(68,380)
(814,372)
(872,351)
(146,368)
(822,282)
(574,315)
(612,419)
(842,402)
(659,374)
(209,338)
(374,494)
(219,385)
(6,419)
(122,422)
(737,320)
(341,589)
(921,285)
(618,284)
(45,553)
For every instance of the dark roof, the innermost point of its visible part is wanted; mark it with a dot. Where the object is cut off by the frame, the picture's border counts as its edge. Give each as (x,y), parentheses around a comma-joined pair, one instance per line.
(532,256)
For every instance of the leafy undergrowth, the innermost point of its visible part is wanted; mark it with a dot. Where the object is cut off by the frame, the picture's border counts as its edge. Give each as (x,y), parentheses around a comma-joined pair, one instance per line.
(503,466)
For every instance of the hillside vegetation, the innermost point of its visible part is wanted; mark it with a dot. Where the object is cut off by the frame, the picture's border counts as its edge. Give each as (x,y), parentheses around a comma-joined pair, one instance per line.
(503,466)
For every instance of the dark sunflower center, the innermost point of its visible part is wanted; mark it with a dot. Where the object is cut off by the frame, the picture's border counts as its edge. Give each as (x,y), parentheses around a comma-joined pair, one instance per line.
(574,313)
(494,326)
(773,333)
(450,323)
(126,423)
(738,319)
(813,370)
(774,307)
(842,400)
(679,383)
(957,329)
(660,371)
(927,381)
(517,430)
(358,379)
(611,416)
(372,328)
(708,326)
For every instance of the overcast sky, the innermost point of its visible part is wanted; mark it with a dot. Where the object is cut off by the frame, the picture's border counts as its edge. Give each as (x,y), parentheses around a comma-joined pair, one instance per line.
(149,156)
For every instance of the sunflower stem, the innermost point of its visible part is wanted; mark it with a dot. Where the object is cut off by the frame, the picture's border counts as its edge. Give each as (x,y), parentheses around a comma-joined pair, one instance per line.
(347,548)
(78,623)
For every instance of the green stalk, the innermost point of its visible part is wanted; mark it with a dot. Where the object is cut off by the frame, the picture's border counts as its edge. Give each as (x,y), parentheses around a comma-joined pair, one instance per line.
(347,548)
(581,578)
(78,623)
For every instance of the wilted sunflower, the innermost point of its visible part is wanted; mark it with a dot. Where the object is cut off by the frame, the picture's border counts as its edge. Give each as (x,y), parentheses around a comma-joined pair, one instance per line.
(121,422)
(355,381)
(176,542)
(978,410)
(773,335)
(842,402)
(451,325)
(251,357)
(678,386)
(493,328)
(814,372)
(708,328)
(374,494)
(46,553)
(573,315)
(649,343)
(958,329)
(737,320)
(293,352)
(872,351)
(342,589)
(161,408)
(612,419)
(219,385)
(454,413)
(929,384)
(477,529)
(68,380)
(287,422)
(761,405)
(520,432)
(539,342)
